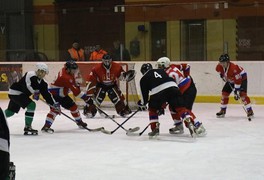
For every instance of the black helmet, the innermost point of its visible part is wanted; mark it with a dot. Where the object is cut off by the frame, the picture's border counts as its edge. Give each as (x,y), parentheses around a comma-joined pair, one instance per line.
(145,68)
(71,64)
(107,60)
(224,58)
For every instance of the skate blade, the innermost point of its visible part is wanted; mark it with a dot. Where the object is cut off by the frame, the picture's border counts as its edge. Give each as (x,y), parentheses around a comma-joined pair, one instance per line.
(180,132)
(30,134)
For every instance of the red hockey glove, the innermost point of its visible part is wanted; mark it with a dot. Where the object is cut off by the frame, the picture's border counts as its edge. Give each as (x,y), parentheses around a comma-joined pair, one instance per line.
(87,99)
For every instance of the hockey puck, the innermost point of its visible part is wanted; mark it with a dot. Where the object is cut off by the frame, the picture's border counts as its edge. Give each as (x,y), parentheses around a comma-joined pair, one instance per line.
(249,119)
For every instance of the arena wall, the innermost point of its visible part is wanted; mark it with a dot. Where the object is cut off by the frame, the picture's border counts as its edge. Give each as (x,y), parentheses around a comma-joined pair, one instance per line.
(208,82)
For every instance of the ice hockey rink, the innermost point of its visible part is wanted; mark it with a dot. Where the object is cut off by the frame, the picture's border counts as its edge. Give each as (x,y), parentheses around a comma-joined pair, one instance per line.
(232,150)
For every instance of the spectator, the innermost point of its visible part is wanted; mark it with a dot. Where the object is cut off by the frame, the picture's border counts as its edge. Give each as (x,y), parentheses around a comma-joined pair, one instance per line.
(119,52)
(97,54)
(75,52)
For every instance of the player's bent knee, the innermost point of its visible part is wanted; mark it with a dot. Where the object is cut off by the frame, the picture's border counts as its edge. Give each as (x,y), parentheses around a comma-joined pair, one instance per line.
(31,106)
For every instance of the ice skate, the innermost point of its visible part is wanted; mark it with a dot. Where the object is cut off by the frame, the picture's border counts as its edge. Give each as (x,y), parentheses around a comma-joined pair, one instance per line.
(221,113)
(199,129)
(125,112)
(29,131)
(47,129)
(190,126)
(250,113)
(154,132)
(178,129)
(81,124)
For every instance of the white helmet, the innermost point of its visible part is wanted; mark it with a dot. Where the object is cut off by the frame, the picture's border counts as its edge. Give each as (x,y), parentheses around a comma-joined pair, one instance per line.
(42,66)
(163,62)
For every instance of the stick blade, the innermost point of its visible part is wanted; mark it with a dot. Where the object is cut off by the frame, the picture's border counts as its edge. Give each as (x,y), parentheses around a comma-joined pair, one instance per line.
(106,131)
(129,133)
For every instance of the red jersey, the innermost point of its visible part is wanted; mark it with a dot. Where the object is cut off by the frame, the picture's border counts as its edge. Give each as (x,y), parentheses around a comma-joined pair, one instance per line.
(185,68)
(64,83)
(233,73)
(103,76)
(182,81)
(100,74)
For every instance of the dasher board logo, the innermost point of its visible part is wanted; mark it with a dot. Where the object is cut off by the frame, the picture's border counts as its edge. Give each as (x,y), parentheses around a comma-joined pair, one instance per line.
(9,73)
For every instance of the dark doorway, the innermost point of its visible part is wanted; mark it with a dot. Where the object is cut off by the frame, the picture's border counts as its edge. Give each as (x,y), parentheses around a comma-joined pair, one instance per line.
(158,40)
(91,23)
(193,41)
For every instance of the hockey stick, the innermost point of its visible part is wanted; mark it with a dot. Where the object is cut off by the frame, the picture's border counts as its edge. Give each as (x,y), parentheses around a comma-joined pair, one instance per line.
(91,130)
(137,134)
(240,101)
(119,125)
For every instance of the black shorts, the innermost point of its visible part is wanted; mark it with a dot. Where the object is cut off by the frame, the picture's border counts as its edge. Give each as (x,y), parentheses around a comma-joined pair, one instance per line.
(171,95)
(18,101)
(65,102)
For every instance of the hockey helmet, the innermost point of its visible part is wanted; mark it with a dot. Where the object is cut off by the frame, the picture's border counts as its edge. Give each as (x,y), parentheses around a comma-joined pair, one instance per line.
(224,58)
(107,60)
(71,64)
(42,66)
(163,62)
(145,68)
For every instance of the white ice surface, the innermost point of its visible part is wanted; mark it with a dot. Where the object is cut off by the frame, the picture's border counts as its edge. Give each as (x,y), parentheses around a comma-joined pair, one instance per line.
(232,149)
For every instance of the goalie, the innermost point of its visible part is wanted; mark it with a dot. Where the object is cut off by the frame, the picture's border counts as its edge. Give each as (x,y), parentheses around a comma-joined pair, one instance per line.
(103,80)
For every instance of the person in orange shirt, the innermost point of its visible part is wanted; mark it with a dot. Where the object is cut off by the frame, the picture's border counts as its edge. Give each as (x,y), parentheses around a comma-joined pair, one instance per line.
(97,54)
(76,53)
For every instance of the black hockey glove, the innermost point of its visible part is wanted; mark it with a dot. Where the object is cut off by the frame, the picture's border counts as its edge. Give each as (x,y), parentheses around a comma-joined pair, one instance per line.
(141,106)
(236,94)
(56,107)
(222,77)
(36,95)
(161,112)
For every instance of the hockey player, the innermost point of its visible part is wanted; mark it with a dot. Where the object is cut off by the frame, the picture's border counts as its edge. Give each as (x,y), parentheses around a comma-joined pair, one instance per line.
(235,78)
(181,74)
(19,94)
(163,90)
(103,79)
(62,85)
(4,146)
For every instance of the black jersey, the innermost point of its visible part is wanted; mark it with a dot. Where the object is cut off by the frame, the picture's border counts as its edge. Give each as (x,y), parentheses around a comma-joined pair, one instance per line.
(30,83)
(4,133)
(154,81)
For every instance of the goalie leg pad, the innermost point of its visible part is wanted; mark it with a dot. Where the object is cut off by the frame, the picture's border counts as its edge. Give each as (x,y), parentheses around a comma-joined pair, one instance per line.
(100,95)
(89,111)
(115,95)
(122,109)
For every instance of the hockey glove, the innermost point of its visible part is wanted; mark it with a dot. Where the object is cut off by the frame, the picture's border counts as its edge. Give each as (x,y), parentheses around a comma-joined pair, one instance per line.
(36,95)
(129,75)
(56,107)
(141,106)
(236,94)
(161,112)
(87,99)
(222,77)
